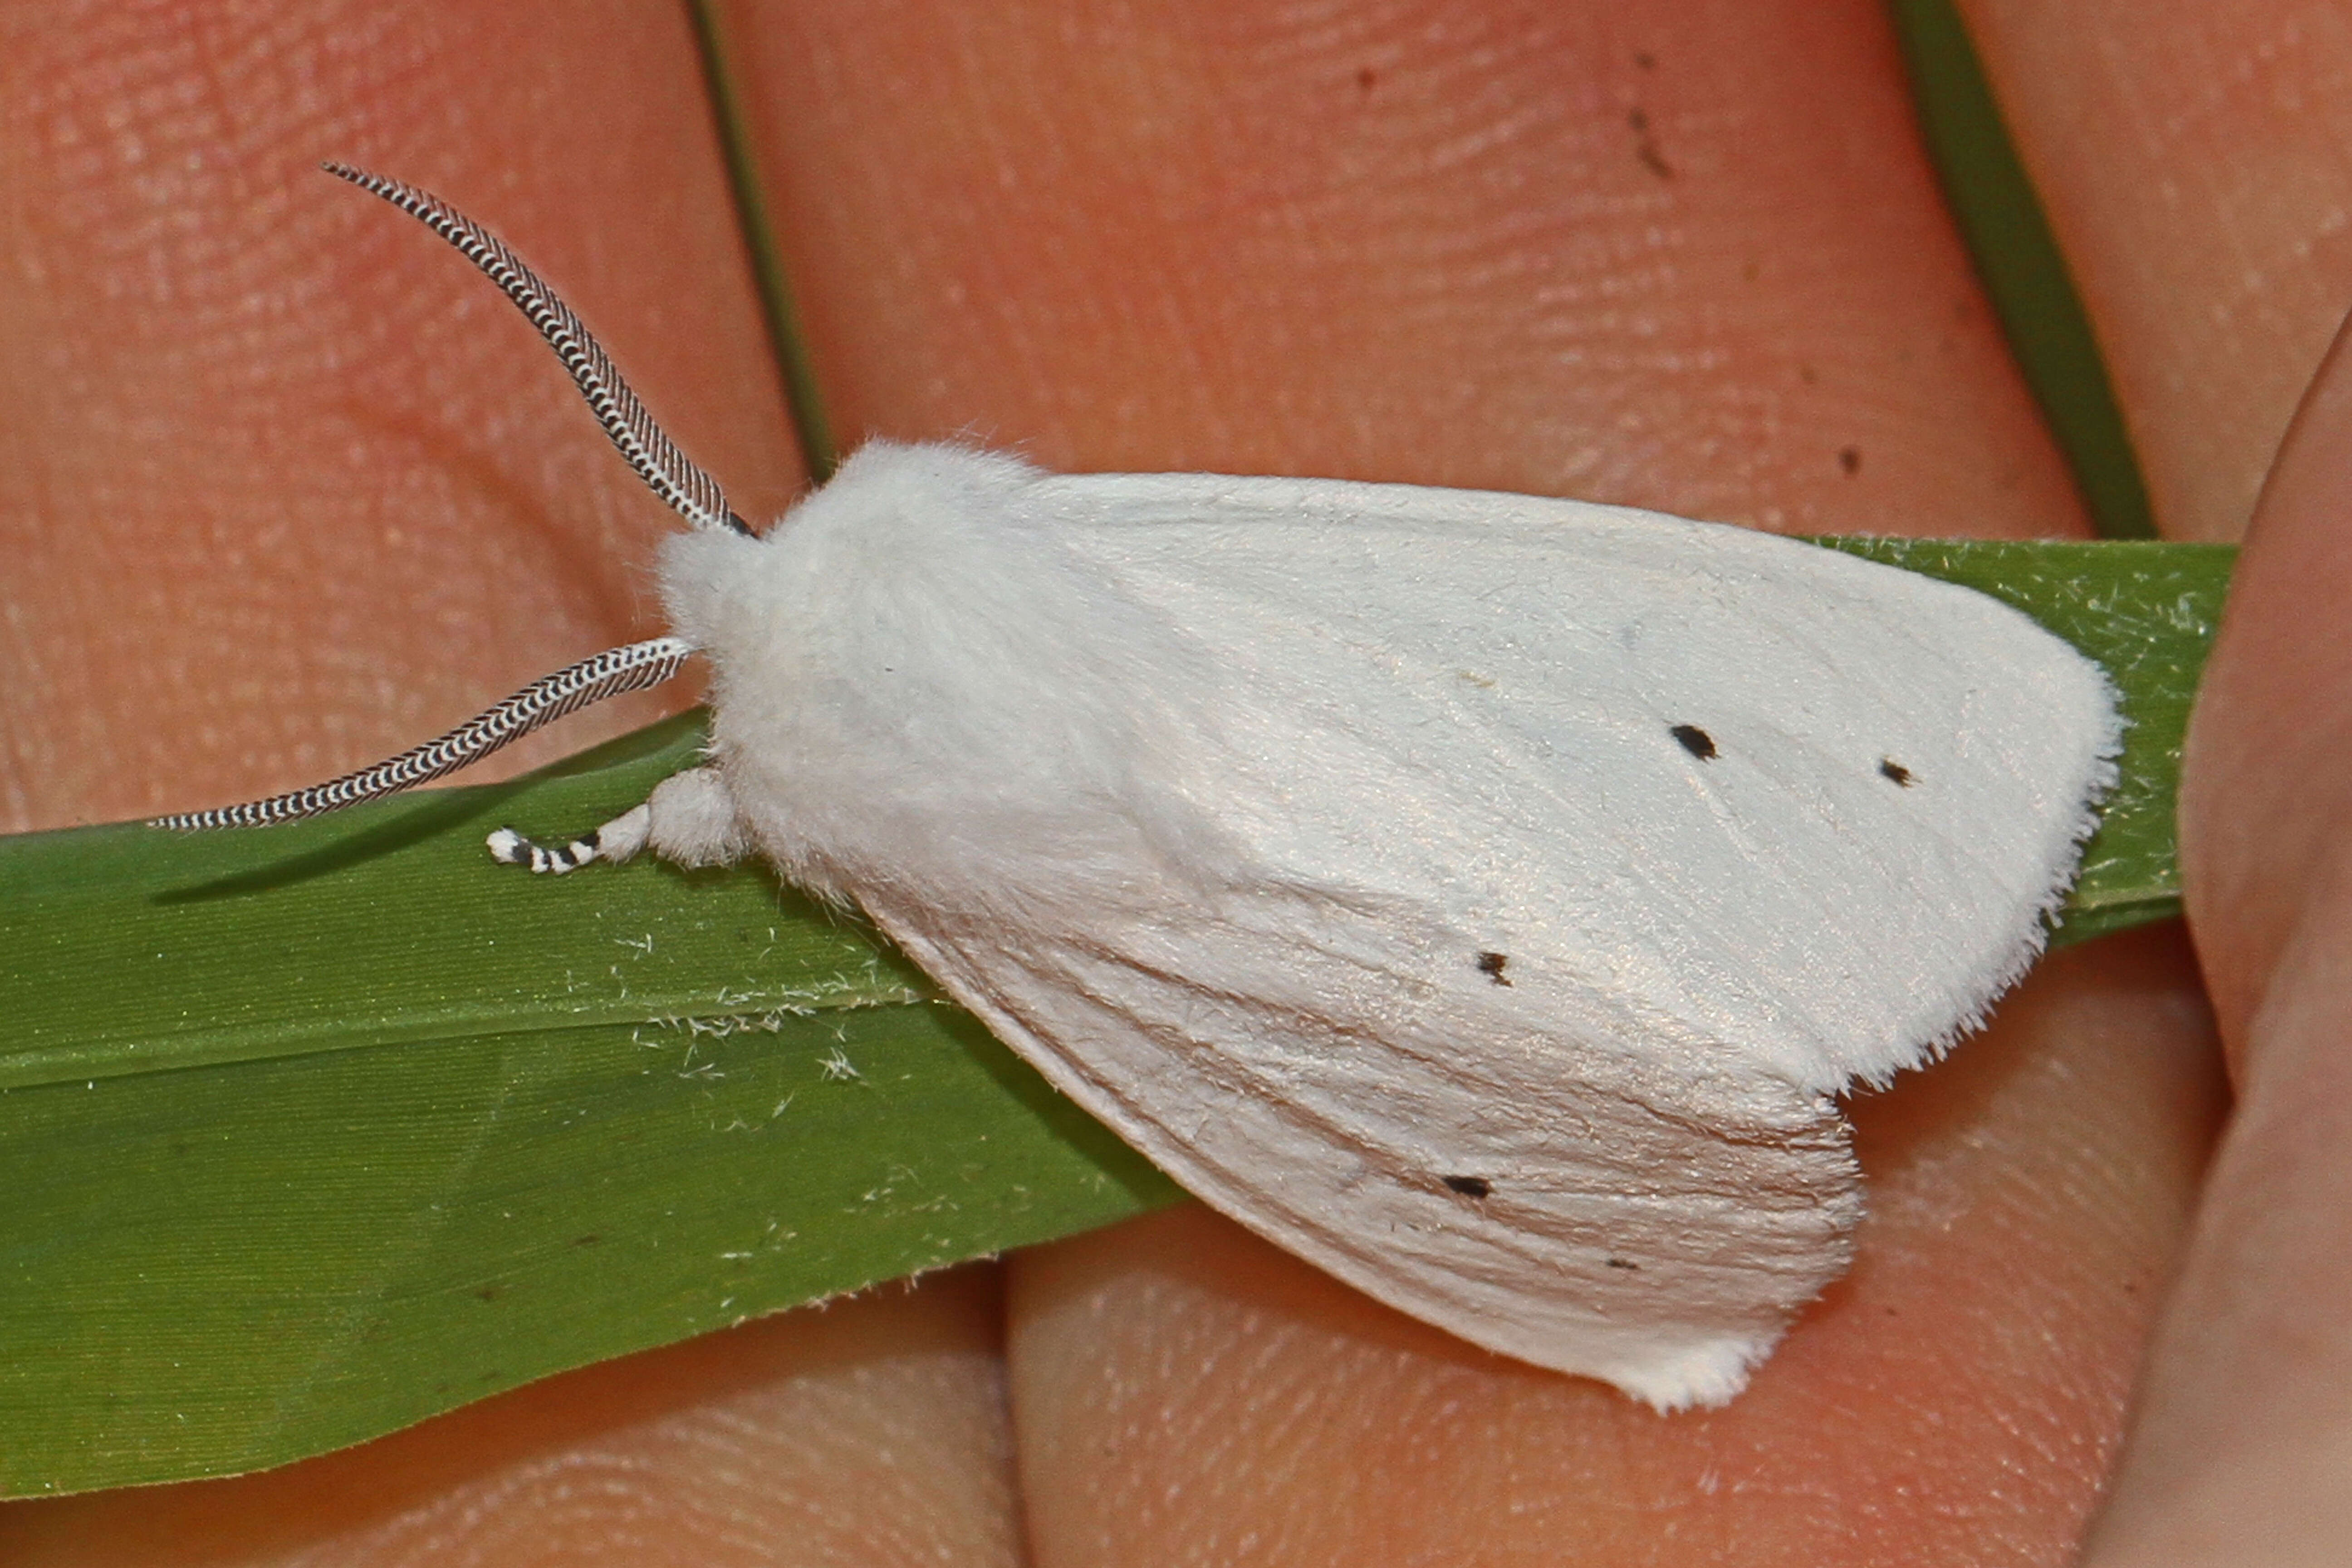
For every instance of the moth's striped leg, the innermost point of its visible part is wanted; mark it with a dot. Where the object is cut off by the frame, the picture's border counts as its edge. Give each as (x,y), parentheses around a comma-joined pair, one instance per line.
(616,841)
(689,820)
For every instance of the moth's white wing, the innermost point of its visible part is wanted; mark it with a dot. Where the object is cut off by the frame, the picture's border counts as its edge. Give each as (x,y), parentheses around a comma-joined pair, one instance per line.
(1554,1199)
(1352,849)
(1898,773)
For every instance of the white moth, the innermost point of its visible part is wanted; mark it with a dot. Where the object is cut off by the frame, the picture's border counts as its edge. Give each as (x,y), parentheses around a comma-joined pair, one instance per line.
(1483,897)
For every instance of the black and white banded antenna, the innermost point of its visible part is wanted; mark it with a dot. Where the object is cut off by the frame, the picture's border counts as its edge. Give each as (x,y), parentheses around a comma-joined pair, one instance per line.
(666,471)
(544,700)
(693,494)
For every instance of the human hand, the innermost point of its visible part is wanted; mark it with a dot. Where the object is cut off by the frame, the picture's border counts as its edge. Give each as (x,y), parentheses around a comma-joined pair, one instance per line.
(291,490)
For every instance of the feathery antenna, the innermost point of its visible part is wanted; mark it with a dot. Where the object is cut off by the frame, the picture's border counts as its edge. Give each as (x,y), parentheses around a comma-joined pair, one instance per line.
(666,471)
(693,494)
(544,700)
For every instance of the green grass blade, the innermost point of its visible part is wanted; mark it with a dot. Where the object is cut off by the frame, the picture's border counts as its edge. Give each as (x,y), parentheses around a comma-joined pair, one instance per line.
(2017,259)
(731,117)
(310,1132)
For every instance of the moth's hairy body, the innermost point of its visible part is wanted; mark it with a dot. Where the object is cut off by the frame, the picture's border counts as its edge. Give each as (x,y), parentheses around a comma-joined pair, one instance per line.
(1482,896)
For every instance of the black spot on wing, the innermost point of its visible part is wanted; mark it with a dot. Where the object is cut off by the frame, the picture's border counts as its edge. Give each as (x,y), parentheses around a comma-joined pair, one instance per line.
(1469,1187)
(1695,741)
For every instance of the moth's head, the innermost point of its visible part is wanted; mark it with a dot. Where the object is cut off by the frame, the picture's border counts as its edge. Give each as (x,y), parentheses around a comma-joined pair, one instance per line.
(712,588)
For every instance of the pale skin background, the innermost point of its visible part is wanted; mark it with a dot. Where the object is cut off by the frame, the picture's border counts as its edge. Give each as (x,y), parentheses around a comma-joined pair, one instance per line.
(285,488)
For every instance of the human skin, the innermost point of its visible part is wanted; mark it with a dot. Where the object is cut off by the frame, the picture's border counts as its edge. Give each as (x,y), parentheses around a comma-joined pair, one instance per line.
(287,489)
